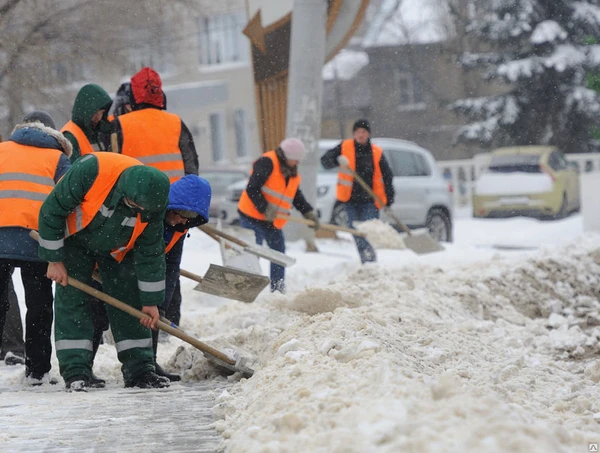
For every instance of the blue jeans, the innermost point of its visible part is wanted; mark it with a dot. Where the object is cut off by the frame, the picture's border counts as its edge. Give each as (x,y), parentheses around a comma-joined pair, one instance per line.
(362,212)
(274,237)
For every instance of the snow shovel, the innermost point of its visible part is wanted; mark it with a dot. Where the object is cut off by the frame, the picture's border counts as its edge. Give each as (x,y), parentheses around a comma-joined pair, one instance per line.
(255,249)
(420,244)
(324,226)
(211,354)
(229,282)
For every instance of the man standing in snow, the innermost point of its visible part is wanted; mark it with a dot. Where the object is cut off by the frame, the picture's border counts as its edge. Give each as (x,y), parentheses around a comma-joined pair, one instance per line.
(88,118)
(368,161)
(32,161)
(151,134)
(189,200)
(107,210)
(272,190)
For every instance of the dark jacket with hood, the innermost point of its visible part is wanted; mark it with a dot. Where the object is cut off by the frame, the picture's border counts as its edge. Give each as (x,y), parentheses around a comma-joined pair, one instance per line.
(190,193)
(364,169)
(261,170)
(15,242)
(89,100)
(186,141)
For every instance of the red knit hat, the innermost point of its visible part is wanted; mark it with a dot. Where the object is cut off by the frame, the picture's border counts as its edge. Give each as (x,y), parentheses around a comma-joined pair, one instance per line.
(147,88)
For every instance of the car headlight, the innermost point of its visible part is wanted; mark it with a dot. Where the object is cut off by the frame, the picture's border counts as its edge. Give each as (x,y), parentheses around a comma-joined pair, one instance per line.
(322,191)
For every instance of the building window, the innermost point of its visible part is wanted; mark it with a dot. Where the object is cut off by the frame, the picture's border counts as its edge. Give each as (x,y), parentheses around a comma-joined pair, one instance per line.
(217,137)
(241,133)
(408,88)
(220,39)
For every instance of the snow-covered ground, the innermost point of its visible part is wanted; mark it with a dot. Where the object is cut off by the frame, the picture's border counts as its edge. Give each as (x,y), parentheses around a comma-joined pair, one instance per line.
(492,345)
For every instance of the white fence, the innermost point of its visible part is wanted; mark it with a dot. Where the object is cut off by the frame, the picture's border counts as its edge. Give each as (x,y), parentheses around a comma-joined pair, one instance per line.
(463,173)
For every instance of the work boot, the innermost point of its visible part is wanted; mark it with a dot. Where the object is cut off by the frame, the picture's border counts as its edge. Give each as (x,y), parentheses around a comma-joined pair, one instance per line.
(170,376)
(77,384)
(36,379)
(13,359)
(148,380)
(96,382)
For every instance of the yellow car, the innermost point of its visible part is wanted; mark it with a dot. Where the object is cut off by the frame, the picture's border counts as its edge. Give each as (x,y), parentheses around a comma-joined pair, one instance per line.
(527,180)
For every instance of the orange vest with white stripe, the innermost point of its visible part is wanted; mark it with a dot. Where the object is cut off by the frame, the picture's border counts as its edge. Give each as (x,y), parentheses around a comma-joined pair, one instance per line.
(26,179)
(110,167)
(346,180)
(174,239)
(152,137)
(275,191)
(85,147)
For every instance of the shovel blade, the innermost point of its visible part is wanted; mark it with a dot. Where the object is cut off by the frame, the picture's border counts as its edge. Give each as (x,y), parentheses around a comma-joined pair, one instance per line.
(232,283)
(422,244)
(271,255)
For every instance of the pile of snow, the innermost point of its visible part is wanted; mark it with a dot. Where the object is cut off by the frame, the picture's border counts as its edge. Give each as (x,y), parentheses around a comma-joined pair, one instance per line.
(516,183)
(497,358)
(381,235)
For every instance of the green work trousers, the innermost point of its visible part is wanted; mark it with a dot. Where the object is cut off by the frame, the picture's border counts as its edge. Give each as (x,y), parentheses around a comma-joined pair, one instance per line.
(74,328)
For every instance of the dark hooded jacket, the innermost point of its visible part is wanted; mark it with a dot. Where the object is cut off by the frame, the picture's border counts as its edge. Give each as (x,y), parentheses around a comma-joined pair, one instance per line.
(89,100)
(151,98)
(15,242)
(190,193)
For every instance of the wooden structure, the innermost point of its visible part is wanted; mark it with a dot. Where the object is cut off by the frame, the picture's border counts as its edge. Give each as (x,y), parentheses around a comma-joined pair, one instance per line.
(270,60)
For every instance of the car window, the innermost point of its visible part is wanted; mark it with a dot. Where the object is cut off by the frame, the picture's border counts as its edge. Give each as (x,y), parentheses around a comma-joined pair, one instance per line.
(423,165)
(219,180)
(560,158)
(510,163)
(405,163)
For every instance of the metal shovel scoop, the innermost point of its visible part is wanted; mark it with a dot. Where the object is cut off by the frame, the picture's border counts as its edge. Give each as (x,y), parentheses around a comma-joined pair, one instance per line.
(230,283)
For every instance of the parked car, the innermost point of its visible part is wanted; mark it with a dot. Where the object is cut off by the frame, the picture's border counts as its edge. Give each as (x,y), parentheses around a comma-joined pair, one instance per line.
(220,178)
(527,180)
(423,198)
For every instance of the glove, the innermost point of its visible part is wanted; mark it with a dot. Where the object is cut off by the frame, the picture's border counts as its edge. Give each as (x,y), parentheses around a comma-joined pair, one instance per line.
(271,213)
(312,215)
(343,161)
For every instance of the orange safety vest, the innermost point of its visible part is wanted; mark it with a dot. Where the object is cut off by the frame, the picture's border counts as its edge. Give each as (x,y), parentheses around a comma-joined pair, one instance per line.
(110,167)
(26,179)
(275,191)
(85,147)
(152,137)
(346,180)
(174,239)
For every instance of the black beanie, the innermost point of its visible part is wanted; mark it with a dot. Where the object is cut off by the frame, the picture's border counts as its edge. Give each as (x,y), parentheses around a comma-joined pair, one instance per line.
(362,124)
(42,117)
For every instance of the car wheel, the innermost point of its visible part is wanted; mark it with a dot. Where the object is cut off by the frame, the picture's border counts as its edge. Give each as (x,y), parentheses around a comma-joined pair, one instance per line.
(439,224)
(339,216)
(564,208)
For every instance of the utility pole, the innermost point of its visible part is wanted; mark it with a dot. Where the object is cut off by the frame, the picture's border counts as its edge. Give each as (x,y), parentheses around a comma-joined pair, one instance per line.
(305,95)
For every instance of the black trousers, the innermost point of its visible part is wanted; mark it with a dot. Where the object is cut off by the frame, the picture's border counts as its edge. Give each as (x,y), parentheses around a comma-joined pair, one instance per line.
(38,320)
(11,340)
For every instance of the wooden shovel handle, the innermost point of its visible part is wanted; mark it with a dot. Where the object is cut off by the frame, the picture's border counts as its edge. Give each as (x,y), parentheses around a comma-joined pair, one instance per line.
(191,275)
(379,201)
(323,226)
(211,231)
(139,315)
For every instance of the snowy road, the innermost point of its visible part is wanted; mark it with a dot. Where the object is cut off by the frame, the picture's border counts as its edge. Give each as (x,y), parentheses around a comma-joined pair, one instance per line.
(459,351)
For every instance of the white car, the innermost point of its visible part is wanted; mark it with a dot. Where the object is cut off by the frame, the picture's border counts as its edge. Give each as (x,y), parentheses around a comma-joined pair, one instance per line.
(423,197)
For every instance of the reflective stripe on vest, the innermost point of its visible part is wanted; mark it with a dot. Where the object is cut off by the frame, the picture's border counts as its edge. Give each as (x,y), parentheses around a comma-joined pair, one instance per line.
(26,179)
(174,239)
(152,137)
(110,167)
(85,147)
(275,191)
(346,180)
